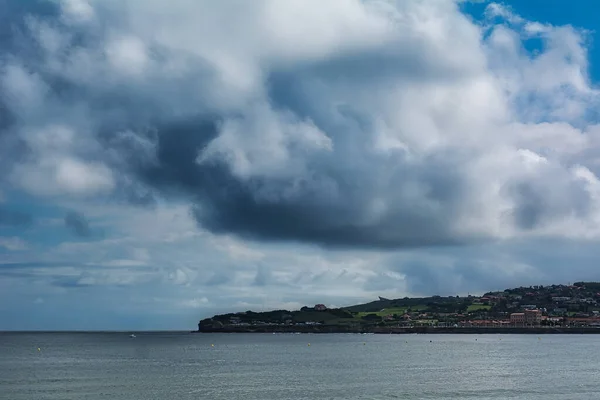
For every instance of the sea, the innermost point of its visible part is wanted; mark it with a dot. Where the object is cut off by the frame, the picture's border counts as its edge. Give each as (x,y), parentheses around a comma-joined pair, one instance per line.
(115,366)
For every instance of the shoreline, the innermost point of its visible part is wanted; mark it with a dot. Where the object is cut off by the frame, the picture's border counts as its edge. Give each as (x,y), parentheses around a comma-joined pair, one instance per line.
(416,330)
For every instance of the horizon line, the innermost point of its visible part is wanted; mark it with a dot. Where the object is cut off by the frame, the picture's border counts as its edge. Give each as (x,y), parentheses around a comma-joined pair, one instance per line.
(98,331)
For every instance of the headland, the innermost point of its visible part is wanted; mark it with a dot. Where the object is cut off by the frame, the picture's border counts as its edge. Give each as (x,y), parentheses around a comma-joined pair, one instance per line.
(553,309)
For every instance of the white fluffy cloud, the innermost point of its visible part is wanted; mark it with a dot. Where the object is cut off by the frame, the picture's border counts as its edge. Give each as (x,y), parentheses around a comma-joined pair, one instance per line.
(407,112)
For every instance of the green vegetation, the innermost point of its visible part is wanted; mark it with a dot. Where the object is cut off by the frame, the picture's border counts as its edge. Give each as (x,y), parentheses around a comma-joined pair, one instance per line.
(478,307)
(387,311)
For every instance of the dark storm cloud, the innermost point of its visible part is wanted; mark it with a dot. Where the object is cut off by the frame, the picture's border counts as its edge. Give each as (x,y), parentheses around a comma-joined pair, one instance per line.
(226,204)
(535,202)
(178,146)
(78,224)
(530,209)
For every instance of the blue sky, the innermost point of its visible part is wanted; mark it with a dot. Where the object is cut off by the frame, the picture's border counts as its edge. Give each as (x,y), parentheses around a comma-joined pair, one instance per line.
(157,167)
(579,13)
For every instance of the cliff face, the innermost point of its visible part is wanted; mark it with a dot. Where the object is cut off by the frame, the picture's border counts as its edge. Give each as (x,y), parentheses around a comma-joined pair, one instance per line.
(209,324)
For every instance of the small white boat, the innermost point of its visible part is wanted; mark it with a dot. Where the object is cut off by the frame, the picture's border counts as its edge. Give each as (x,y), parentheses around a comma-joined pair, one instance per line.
(132,335)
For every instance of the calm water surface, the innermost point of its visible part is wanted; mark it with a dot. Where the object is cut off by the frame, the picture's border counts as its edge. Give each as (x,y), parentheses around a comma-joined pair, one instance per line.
(265,366)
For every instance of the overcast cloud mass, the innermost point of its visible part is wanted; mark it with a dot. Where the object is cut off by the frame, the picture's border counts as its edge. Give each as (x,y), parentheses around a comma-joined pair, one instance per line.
(164,161)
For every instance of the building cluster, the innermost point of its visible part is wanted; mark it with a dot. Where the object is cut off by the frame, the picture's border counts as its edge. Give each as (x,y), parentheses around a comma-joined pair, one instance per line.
(555,305)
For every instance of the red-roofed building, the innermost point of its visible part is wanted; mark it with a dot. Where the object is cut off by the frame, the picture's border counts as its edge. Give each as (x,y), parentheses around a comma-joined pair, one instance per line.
(517,318)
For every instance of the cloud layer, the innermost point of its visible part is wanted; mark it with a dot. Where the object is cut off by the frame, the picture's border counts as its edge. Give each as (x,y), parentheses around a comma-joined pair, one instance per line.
(386,124)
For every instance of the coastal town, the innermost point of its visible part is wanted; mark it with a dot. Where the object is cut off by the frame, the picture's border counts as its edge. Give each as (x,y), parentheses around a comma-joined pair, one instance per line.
(574,305)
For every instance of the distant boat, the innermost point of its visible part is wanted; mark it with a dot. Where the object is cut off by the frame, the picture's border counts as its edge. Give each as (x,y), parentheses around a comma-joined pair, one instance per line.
(132,336)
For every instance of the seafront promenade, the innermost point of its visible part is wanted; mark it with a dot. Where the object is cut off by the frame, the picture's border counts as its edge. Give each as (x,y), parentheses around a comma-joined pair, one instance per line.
(404,330)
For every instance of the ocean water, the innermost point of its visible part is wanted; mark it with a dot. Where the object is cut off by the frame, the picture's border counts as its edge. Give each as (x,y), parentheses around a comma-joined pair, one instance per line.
(284,366)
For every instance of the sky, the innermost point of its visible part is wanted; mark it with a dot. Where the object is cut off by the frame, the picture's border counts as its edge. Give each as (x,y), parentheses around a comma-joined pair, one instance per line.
(161,162)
